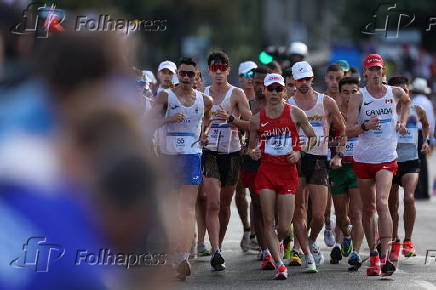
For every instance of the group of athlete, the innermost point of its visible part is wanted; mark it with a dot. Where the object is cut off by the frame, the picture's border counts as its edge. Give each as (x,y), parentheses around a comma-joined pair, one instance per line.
(296,150)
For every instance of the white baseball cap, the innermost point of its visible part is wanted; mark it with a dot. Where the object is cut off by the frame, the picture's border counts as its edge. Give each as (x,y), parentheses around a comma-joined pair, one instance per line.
(273,78)
(175,79)
(298,48)
(302,69)
(246,66)
(420,85)
(149,76)
(168,65)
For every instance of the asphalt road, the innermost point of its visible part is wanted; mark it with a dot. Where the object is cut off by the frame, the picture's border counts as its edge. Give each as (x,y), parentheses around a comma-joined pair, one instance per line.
(243,271)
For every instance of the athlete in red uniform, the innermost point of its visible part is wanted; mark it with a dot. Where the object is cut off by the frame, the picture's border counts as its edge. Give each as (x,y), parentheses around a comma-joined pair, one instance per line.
(275,126)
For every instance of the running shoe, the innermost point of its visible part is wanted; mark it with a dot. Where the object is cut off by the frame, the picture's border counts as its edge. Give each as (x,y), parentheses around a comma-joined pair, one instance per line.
(335,255)
(346,247)
(309,265)
(260,256)
(268,263)
(374,266)
(281,273)
(354,259)
(217,261)
(408,249)
(387,268)
(329,235)
(202,251)
(317,255)
(254,245)
(245,242)
(295,259)
(183,269)
(394,256)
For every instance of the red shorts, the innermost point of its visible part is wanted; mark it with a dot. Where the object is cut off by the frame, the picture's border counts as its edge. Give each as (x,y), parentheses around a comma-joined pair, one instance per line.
(369,170)
(281,179)
(248,178)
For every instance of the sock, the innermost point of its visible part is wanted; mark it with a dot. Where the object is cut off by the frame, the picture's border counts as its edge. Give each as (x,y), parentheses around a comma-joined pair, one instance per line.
(337,245)
(347,237)
(247,230)
(356,251)
(406,240)
(252,236)
(309,257)
(266,252)
(279,264)
(373,254)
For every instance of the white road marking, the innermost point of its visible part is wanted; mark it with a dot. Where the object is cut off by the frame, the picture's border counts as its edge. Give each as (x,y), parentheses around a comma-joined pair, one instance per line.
(425,284)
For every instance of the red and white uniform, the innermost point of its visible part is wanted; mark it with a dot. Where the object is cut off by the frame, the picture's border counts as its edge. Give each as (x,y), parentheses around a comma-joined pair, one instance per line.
(278,138)
(376,149)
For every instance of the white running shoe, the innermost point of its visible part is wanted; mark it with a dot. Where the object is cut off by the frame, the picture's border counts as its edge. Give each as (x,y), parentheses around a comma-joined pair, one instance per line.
(317,255)
(309,264)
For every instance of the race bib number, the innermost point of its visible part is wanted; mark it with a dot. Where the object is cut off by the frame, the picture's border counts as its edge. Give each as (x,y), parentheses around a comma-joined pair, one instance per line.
(349,147)
(384,128)
(410,137)
(180,143)
(278,145)
(219,138)
(319,132)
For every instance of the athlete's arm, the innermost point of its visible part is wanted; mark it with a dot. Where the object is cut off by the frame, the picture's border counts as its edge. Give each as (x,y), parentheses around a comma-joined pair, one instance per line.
(353,127)
(422,115)
(253,149)
(208,103)
(243,108)
(404,103)
(301,121)
(337,121)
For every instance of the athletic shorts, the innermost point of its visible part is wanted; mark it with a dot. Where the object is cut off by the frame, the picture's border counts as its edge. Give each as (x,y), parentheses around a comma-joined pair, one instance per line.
(411,166)
(314,169)
(186,169)
(342,179)
(224,167)
(248,178)
(281,179)
(369,170)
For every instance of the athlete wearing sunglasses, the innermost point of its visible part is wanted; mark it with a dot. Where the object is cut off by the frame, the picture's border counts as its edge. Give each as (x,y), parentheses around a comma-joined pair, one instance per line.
(221,157)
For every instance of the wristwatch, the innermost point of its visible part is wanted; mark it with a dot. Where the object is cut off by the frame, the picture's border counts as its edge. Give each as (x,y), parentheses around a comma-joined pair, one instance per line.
(230,119)
(363,126)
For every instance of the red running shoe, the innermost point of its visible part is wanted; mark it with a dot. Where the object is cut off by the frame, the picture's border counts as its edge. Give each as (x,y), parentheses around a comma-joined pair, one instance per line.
(394,256)
(268,263)
(408,249)
(281,273)
(374,266)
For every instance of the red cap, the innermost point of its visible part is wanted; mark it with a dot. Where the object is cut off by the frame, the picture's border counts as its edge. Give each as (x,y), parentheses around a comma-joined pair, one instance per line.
(373,60)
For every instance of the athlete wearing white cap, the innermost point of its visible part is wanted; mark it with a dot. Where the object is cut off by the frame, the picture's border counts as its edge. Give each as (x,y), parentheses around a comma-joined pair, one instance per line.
(165,73)
(322,112)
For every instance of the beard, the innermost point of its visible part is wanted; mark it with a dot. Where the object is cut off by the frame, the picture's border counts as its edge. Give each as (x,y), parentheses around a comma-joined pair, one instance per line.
(303,89)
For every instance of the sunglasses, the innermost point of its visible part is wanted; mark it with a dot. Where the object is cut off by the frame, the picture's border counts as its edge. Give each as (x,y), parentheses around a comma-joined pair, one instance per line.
(278,89)
(140,83)
(303,79)
(185,73)
(221,67)
(248,74)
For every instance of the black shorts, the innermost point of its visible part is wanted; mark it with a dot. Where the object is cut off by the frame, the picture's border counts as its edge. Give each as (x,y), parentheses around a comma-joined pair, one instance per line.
(411,166)
(250,164)
(314,169)
(224,167)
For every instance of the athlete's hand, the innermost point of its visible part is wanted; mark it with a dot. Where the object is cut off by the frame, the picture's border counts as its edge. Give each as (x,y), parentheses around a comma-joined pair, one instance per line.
(204,139)
(425,149)
(336,162)
(372,123)
(401,128)
(294,156)
(176,118)
(222,114)
(255,153)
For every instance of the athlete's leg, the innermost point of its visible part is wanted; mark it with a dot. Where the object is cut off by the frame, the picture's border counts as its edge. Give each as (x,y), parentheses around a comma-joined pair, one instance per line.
(224,213)
(383,187)
(409,182)
(268,204)
(300,216)
(212,187)
(242,205)
(367,194)
(187,201)
(258,220)
(341,209)
(285,211)
(355,210)
(394,205)
(201,215)
(318,195)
